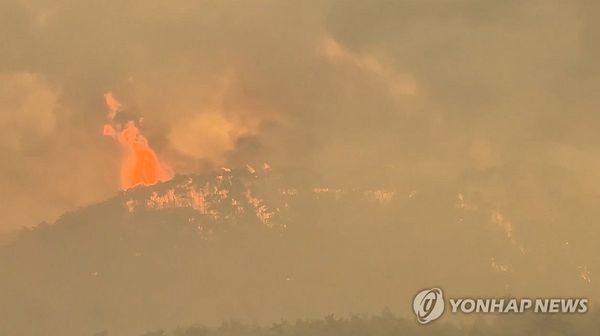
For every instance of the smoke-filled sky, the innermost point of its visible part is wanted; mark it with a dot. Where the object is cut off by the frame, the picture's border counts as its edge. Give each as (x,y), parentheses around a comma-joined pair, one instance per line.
(474,122)
(495,100)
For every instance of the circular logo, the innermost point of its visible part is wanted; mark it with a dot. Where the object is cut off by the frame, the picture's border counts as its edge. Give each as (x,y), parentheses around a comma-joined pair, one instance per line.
(428,305)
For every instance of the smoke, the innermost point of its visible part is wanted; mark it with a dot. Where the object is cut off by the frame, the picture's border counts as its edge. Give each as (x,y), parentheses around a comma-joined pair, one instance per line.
(493,101)
(28,109)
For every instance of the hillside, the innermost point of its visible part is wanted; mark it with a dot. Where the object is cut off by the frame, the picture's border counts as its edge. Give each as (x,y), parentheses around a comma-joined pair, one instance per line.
(245,245)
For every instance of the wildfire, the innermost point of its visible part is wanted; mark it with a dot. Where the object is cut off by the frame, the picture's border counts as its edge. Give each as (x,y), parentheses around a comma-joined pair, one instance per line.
(140,164)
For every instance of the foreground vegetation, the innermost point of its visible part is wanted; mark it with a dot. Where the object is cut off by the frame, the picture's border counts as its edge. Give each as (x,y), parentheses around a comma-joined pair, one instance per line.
(388,324)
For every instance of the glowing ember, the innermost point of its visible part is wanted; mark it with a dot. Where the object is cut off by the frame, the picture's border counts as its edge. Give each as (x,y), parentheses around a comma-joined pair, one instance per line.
(261,210)
(463,204)
(585,274)
(131,204)
(140,163)
(381,196)
(499,219)
(498,267)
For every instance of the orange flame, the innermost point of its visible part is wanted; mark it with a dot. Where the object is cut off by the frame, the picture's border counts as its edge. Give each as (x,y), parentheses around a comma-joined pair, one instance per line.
(140,164)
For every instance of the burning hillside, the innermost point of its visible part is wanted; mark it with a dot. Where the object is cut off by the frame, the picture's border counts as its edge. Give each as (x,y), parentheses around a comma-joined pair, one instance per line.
(221,195)
(258,243)
(246,243)
(227,194)
(262,243)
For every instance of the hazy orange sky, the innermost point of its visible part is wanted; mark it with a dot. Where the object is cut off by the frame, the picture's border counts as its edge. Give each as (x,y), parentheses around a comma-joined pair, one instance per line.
(479,117)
